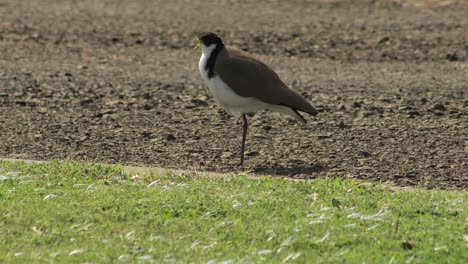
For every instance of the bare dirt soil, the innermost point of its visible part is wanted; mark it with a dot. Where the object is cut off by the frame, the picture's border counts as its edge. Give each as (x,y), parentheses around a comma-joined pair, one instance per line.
(117,81)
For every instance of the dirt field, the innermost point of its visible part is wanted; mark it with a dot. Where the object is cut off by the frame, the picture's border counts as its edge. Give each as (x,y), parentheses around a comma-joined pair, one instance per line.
(118,82)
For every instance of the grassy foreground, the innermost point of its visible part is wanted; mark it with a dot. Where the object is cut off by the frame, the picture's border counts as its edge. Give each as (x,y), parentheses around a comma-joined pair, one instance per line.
(73,212)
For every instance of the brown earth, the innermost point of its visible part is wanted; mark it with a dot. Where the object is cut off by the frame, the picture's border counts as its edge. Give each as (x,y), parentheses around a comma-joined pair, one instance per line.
(118,82)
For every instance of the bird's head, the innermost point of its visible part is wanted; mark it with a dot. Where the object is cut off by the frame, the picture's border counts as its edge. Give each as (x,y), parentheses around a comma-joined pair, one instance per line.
(208,40)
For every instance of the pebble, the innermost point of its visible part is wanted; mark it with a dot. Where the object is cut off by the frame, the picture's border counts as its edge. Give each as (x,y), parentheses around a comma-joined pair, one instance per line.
(356,104)
(439,106)
(170,137)
(252,153)
(42,110)
(199,102)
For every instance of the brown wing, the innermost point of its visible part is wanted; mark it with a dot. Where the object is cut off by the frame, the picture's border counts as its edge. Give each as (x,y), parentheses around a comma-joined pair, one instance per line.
(249,77)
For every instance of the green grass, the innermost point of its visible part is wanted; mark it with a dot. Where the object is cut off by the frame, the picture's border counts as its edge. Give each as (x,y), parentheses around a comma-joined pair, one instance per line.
(73,212)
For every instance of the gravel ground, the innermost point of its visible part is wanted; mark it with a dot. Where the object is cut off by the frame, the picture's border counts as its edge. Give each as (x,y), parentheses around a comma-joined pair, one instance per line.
(113,81)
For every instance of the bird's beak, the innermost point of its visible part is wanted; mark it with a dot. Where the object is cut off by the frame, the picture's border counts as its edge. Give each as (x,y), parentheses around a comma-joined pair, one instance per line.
(198,45)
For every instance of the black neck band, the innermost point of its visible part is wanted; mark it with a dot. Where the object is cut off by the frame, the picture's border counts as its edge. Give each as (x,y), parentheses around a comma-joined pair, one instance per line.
(210,63)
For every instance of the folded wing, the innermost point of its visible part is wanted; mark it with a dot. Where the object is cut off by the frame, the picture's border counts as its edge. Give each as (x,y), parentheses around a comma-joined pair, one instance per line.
(249,77)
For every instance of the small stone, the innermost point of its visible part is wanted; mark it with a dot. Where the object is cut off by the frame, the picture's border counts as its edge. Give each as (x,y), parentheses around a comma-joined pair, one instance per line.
(439,106)
(112,116)
(199,102)
(413,113)
(452,57)
(109,111)
(146,134)
(112,102)
(356,104)
(384,99)
(341,124)
(226,154)
(170,137)
(365,154)
(384,40)
(42,110)
(116,39)
(328,135)
(252,153)
(406,107)
(410,174)
(147,107)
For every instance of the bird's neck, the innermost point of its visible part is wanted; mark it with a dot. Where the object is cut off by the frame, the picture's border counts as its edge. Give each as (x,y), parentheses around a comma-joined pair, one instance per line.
(211,53)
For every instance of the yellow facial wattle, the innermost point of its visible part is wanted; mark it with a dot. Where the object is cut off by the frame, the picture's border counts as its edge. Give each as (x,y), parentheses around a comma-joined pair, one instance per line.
(198,45)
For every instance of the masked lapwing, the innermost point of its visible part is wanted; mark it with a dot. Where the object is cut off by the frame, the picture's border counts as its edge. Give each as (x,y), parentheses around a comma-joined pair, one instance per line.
(242,84)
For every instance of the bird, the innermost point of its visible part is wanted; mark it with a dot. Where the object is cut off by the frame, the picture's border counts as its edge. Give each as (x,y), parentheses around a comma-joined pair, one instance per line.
(242,84)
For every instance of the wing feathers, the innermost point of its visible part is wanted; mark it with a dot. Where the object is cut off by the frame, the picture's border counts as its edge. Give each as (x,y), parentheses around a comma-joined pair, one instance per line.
(249,77)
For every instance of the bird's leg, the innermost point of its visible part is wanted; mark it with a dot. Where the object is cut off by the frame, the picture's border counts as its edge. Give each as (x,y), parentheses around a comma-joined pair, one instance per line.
(244,135)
